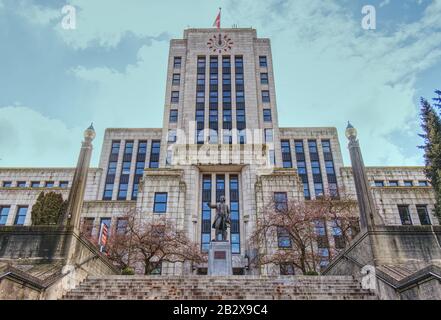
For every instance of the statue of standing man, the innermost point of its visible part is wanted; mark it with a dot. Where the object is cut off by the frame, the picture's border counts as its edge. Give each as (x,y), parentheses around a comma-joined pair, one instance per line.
(222,219)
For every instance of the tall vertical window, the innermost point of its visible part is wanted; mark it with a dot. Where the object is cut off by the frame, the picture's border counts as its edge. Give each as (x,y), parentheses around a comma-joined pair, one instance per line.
(280,201)
(423,215)
(322,242)
(125,170)
(286,154)
(269,136)
(263,62)
(339,240)
(330,168)
(267,115)
(121,226)
(316,171)
(139,169)
(177,62)
(111,170)
(176,79)
(20,217)
(234,213)
(154,154)
(206,213)
(172,137)
(173,116)
(264,78)
(160,204)
(214,100)
(404,213)
(200,100)
(240,100)
(175,96)
(266,96)
(226,100)
(301,167)
(4,213)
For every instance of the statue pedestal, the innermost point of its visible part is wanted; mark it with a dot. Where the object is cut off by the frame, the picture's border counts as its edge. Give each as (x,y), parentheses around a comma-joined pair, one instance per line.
(219,259)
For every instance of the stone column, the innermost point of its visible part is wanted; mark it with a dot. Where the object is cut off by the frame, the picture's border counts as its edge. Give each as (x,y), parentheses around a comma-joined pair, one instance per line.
(366,203)
(78,188)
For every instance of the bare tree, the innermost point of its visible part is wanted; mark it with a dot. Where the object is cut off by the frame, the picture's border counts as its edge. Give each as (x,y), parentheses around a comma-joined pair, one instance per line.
(150,242)
(294,233)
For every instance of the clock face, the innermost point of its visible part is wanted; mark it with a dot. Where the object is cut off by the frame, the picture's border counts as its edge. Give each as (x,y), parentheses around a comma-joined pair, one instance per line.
(220,43)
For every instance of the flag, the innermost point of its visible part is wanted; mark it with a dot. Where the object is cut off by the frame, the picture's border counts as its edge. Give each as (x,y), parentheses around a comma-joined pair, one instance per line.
(217,22)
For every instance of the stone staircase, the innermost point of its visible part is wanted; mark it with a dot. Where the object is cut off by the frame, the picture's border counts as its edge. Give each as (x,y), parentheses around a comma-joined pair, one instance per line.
(219,288)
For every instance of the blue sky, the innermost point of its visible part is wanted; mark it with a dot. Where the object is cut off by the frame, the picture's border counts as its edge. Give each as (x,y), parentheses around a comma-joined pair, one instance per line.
(111,70)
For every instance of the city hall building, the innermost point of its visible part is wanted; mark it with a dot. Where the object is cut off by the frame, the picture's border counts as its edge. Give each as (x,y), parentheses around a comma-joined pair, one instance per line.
(220,137)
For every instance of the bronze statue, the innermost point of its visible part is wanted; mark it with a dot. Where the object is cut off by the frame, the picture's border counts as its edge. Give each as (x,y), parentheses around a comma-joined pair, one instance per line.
(222,219)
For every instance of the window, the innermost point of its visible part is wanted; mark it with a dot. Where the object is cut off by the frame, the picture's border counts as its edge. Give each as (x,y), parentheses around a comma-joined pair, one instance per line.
(280,201)
(393,183)
(20,217)
(324,257)
(108,191)
(423,214)
(318,187)
(176,79)
(49,184)
(126,167)
(7,184)
(337,233)
(269,135)
(128,147)
(112,168)
(286,154)
(264,78)
(123,187)
(234,214)
(121,226)
(262,62)
(312,144)
(206,213)
(115,147)
(265,96)
(35,184)
(154,154)
(330,167)
(299,146)
(379,183)
(177,62)
(21,184)
(287,269)
(403,210)
(326,145)
(423,183)
(175,97)
(64,184)
(4,213)
(169,158)
(267,115)
(160,205)
(315,165)
(173,116)
(172,136)
(283,238)
(408,183)
(272,157)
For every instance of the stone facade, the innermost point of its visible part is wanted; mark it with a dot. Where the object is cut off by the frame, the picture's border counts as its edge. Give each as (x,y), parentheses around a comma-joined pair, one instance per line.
(135,164)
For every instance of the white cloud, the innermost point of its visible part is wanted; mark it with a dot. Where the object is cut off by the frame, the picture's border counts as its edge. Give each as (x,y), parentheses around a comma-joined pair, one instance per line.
(31,139)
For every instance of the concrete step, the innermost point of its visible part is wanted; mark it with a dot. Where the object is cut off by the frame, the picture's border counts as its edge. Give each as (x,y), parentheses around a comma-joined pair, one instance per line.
(219,288)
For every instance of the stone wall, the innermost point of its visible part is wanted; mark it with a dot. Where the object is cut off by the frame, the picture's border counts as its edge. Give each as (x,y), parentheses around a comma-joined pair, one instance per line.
(33,262)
